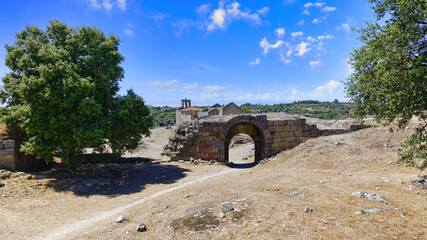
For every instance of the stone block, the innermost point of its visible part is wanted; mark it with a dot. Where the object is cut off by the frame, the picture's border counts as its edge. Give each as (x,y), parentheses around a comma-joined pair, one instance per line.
(7,151)
(294,128)
(298,133)
(287,128)
(306,127)
(301,121)
(283,122)
(1,145)
(291,122)
(284,134)
(9,143)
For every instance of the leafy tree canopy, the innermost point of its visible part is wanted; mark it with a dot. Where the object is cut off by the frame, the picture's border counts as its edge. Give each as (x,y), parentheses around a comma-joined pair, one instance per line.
(390,74)
(61,94)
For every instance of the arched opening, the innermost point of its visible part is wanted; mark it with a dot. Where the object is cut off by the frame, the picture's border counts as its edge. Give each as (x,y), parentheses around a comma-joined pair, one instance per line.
(251,130)
(241,149)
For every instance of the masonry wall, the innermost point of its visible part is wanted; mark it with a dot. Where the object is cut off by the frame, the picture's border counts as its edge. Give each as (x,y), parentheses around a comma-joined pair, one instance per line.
(8,155)
(231,109)
(206,140)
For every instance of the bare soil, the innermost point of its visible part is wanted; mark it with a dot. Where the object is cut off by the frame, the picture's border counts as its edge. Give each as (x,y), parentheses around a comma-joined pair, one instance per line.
(326,169)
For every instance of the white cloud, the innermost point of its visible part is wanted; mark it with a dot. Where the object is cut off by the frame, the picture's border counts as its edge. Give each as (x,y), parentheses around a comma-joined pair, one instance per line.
(306,12)
(263,10)
(265,44)
(255,62)
(107,5)
(346,27)
(317,20)
(319,4)
(182,26)
(297,34)
(121,4)
(285,60)
(329,9)
(190,86)
(203,9)
(223,16)
(245,97)
(214,88)
(294,94)
(280,32)
(329,87)
(302,48)
(311,39)
(288,53)
(301,22)
(315,63)
(218,19)
(95,4)
(129,32)
(167,84)
(325,37)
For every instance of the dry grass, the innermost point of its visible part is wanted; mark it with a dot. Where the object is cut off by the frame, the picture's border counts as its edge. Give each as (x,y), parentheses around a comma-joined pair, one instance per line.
(327,169)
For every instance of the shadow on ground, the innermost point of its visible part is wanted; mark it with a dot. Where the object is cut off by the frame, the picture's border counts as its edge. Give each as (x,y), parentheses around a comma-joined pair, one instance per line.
(242,165)
(113,179)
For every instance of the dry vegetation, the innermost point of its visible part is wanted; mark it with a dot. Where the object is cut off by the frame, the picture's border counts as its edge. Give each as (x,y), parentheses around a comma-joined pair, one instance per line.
(327,169)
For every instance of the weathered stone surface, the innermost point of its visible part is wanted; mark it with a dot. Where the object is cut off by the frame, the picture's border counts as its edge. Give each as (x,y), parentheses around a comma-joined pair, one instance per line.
(372,210)
(308,209)
(141,227)
(1,184)
(371,196)
(295,194)
(227,206)
(121,219)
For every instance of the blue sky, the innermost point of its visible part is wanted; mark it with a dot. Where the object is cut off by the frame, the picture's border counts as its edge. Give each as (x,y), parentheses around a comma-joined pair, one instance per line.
(264,51)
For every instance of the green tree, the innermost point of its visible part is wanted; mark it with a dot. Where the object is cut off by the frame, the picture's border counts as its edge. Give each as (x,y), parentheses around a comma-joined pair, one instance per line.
(61,94)
(245,110)
(390,70)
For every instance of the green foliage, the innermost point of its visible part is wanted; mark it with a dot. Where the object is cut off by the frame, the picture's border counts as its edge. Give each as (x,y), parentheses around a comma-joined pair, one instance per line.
(390,77)
(163,116)
(245,110)
(61,94)
(311,108)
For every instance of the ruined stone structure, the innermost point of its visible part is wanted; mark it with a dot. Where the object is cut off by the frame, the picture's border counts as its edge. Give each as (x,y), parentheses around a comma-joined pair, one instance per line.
(187,113)
(210,138)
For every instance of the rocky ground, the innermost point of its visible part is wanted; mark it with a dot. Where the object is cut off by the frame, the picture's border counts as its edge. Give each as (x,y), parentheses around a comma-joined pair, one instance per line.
(336,187)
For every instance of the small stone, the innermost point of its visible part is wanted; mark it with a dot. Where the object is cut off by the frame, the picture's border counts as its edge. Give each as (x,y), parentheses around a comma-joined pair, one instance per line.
(187,195)
(385,145)
(221,215)
(121,219)
(372,210)
(227,206)
(276,189)
(141,227)
(5,175)
(165,207)
(397,181)
(371,196)
(324,221)
(384,180)
(40,177)
(349,174)
(1,184)
(377,188)
(295,194)
(308,209)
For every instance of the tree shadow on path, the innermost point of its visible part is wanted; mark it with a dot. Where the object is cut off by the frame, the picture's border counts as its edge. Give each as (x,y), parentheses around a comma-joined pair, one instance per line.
(113,179)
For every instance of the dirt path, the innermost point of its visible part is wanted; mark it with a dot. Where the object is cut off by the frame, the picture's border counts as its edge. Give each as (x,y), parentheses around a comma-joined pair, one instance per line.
(78,226)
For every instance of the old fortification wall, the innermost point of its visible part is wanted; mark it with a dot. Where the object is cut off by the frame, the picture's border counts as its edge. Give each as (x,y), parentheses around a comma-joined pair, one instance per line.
(8,155)
(209,139)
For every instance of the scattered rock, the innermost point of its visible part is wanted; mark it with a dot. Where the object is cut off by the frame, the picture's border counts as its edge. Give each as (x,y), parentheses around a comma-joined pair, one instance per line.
(1,184)
(5,175)
(372,210)
(384,180)
(308,209)
(141,227)
(221,215)
(165,207)
(276,189)
(325,222)
(397,181)
(227,206)
(371,196)
(421,183)
(40,177)
(121,219)
(186,195)
(295,194)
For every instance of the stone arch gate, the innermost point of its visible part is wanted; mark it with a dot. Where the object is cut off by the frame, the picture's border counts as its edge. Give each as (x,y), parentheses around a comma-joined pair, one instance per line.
(209,138)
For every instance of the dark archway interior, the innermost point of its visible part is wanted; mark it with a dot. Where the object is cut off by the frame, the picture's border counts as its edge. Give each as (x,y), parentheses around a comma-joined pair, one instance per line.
(253,131)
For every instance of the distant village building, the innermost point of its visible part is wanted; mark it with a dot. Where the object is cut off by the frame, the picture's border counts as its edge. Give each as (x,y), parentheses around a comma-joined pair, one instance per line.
(187,113)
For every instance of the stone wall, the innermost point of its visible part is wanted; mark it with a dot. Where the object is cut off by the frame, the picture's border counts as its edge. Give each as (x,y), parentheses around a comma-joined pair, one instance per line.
(8,155)
(209,139)
(230,109)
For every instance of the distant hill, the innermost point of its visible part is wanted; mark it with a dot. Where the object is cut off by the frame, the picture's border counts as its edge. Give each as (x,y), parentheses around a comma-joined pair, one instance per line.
(165,116)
